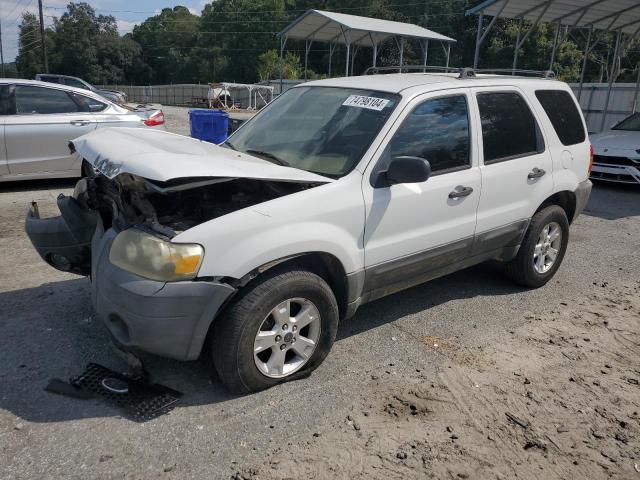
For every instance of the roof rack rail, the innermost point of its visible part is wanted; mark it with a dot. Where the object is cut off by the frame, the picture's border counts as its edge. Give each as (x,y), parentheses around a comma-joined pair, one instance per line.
(518,72)
(408,68)
(465,72)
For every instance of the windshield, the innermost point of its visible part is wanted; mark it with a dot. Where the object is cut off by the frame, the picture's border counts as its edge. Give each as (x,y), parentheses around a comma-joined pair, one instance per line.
(631,123)
(324,130)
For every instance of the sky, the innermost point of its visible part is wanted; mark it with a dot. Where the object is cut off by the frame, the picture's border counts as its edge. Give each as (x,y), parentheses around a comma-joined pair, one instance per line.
(127,12)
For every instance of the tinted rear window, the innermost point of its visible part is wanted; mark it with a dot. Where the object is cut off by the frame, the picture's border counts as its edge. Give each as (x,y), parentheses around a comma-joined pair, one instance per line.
(564,115)
(509,129)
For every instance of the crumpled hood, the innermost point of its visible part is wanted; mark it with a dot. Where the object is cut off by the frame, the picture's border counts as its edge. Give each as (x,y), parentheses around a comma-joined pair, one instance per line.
(162,156)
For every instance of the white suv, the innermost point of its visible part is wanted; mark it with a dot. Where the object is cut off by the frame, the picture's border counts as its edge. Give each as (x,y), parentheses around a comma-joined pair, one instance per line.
(338,193)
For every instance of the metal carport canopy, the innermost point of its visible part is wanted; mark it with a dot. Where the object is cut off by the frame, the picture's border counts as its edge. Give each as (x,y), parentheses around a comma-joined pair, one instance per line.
(351,30)
(322,26)
(614,15)
(619,16)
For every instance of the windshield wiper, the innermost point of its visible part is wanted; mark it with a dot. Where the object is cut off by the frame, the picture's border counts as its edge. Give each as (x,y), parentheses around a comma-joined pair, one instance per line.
(268,156)
(228,144)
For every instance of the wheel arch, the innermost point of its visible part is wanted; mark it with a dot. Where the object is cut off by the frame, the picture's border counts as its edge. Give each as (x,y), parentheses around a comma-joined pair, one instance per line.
(564,199)
(326,265)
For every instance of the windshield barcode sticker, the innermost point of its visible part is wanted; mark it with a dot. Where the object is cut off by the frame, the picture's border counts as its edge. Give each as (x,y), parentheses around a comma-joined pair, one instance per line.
(361,101)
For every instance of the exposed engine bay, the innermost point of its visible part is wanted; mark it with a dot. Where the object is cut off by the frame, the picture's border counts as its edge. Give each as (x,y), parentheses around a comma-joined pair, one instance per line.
(172,207)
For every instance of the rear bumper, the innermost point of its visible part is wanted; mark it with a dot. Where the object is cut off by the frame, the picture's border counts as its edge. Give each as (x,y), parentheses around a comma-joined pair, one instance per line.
(616,173)
(167,319)
(582,196)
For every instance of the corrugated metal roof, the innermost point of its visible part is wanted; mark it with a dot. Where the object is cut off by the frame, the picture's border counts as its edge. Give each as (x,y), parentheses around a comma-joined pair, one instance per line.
(322,26)
(615,15)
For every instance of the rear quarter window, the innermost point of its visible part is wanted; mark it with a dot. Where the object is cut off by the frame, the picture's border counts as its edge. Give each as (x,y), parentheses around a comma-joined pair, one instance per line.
(563,114)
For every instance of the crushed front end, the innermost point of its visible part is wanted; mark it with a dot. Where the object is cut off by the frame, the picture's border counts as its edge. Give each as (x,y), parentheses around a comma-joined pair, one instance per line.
(146,288)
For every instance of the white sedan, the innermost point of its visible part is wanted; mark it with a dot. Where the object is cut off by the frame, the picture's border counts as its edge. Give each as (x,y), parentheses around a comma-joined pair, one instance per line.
(617,152)
(39,119)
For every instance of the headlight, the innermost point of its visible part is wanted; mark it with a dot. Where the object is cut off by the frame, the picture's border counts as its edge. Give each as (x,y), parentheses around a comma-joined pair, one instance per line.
(151,257)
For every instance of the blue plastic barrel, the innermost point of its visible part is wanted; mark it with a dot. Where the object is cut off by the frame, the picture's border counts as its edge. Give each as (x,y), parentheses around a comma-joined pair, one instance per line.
(209,125)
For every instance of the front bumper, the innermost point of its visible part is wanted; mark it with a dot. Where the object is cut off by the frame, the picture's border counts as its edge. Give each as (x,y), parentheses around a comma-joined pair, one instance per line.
(582,196)
(170,319)
(616,173)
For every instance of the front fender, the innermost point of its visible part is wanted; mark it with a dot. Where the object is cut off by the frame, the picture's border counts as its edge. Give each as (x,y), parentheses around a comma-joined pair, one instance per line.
(328,218)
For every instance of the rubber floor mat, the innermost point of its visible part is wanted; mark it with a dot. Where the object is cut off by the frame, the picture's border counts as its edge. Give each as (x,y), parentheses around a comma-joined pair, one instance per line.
(140,400)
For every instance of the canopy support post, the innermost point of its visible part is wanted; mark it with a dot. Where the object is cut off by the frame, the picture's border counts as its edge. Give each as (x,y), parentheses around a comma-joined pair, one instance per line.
(481,36)
(307,47)
(348,45)
(520,42)
(584,61)
(612,78)
(332,47)
(515,52)
(635,95)
(283,42)
(353,57)
(425,53)
(401,53)
(374,45)
(448,54)
(555,46)
(478,40)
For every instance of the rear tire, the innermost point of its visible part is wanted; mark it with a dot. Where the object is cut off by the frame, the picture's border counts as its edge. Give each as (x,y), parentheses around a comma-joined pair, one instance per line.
(541,251)
(268,312)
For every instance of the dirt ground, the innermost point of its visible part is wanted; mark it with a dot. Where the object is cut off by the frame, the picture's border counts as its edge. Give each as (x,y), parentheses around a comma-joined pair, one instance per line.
(467,376)
(557,397)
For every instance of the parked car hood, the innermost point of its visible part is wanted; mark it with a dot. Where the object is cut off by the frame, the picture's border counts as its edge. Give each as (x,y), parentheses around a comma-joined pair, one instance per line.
(614,142)
(163,157)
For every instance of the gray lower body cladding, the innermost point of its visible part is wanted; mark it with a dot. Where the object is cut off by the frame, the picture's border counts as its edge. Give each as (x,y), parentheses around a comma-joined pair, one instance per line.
(170,319)
(582,196)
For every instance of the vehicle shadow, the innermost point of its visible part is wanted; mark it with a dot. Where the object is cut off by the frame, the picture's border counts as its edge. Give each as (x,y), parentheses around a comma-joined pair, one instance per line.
(611,201)
(51,331)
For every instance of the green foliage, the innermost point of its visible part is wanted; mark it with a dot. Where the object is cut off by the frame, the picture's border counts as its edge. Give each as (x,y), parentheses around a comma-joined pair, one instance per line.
(29,59)
(269,65)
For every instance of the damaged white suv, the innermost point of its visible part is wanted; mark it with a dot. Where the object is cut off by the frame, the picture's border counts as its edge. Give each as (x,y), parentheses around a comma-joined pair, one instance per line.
(338,193)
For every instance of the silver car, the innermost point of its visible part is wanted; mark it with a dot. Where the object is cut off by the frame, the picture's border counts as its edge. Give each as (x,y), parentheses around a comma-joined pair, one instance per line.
(38,120)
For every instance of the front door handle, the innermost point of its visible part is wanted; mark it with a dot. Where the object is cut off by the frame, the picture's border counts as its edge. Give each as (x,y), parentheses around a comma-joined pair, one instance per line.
(536,173)
(461,192)
(79,123)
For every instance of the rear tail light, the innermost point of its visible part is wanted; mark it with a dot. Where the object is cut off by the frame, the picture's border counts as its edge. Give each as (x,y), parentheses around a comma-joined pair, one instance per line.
(156,119)
(590,157)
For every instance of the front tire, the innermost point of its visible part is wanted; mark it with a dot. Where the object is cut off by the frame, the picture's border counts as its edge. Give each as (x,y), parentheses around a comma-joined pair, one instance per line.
(281,327)
(542,248)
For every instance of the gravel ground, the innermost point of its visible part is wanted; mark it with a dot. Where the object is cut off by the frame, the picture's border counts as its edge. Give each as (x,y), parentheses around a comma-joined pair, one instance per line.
(48,331)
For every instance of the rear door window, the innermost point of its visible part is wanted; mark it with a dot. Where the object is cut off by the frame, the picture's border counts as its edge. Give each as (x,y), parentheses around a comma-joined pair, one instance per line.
(34,100)
(564,115)
(509,129)
(87,104)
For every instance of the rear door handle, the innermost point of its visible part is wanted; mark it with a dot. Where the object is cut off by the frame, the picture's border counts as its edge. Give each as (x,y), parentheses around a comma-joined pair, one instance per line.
(79,122)
(461,192)
(536,173)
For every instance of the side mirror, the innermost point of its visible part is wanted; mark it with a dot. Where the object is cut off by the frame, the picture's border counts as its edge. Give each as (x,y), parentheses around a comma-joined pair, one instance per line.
(404,169)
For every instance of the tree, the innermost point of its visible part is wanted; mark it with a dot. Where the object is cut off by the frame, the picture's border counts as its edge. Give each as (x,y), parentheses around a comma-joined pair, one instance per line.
(29,59)
(269,65)
(169,42)
(88,46)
